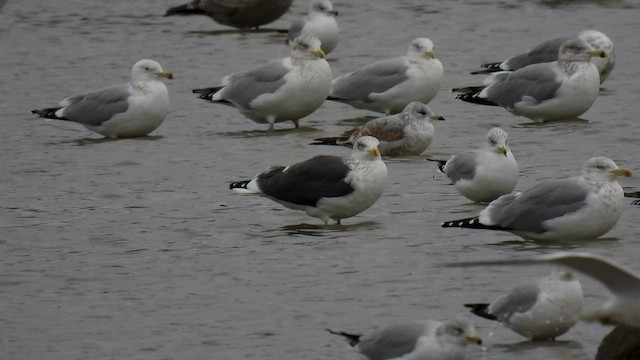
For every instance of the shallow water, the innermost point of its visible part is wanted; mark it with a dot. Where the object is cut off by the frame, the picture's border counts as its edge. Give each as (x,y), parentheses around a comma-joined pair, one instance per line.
(137,249)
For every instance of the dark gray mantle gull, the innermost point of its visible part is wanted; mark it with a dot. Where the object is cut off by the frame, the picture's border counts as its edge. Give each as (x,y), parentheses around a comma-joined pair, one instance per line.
(407,133)
(326,187)
(424,340)
(120,111)
(243,14)
(563,89)
(578,208)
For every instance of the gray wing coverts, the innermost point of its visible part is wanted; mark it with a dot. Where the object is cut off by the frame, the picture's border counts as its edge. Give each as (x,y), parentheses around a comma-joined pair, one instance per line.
(307,182)
(547,200)
(375,78)
(95,108)
(245,87)
(391,342)
(537,81)
(519,300)
(545,52)
(462,166)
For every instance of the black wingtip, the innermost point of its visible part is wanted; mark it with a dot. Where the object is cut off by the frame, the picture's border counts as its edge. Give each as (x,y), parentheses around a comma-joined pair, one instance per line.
(326,141)
(495,66)
(471,223)
(186,9)
(207,93)
(440,163)
(49,113)
(239,184)
(484,72)
(481,310)
(473,98)
(353,339)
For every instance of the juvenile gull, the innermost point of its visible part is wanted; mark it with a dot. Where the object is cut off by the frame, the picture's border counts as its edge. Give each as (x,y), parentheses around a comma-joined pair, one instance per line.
(388,86)
(285,89)
(548,52)
(538,310)
(320,22)
(577,208)
(120,111)
(423,340)
(484,174)
(407,133)
(243,14)
(624,308)
(563,89)
(326,187)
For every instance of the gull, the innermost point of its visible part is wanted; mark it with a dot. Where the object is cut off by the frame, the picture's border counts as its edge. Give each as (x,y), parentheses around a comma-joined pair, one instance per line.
(388,86)
(484,174)
(120,111)
(623,308)
(420,340)
(320,22)
(326,187)
(563,89)
(242,14)
(538,310)
(285,89)
(548,52)
(407,133)
(582,207)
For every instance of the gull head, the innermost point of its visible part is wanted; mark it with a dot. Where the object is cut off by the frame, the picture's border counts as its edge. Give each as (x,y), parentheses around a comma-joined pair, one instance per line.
(147,70)
(323,7)
(421,48)
(366,148)
(601,168)
(419,111)
(459,331)
(578,50)
(306,47)
(498,140)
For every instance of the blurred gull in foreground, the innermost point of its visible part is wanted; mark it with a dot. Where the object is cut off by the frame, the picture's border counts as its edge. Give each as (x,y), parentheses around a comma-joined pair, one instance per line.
(483,174)
(624,308)
(326,187)
(548,52)
(243,14)
(407,133)
(420,340)
(577,208)
(320,22)
(538,310)
(120,111)
(563,89)
(285,89)
(388,86)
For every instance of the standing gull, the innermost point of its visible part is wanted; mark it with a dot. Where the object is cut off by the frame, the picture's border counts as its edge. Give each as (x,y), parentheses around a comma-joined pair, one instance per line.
(242,14)
(582,207)
(120,111)
(407,133)
(484,174)
(538,310)
(563,89)
(326,187)
(548,52)
(624,308)
(388,86)
(423,340)
(285,89)
(320,22)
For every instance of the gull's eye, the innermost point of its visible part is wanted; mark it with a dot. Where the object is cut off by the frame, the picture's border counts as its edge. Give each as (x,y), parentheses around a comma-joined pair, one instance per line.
(493,142)
(361,146)
(457,331)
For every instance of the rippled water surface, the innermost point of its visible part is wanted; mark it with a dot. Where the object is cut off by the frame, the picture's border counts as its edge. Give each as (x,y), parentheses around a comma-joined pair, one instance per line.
(136,249)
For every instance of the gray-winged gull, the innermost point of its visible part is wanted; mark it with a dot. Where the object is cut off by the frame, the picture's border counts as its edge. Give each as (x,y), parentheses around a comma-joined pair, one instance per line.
(563,89)
(623,308)
(407,133)
(326,187)
(120,111)
(576,208)
(423,340)
(285,89)
(388,86)
(484,174)
(541,309)
(243,14)
(320,22)
(548,52)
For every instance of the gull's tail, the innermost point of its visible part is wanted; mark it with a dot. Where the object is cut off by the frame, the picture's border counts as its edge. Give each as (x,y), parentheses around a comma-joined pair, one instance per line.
(49,113)
(481,310)
(353,339)
(186,9)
